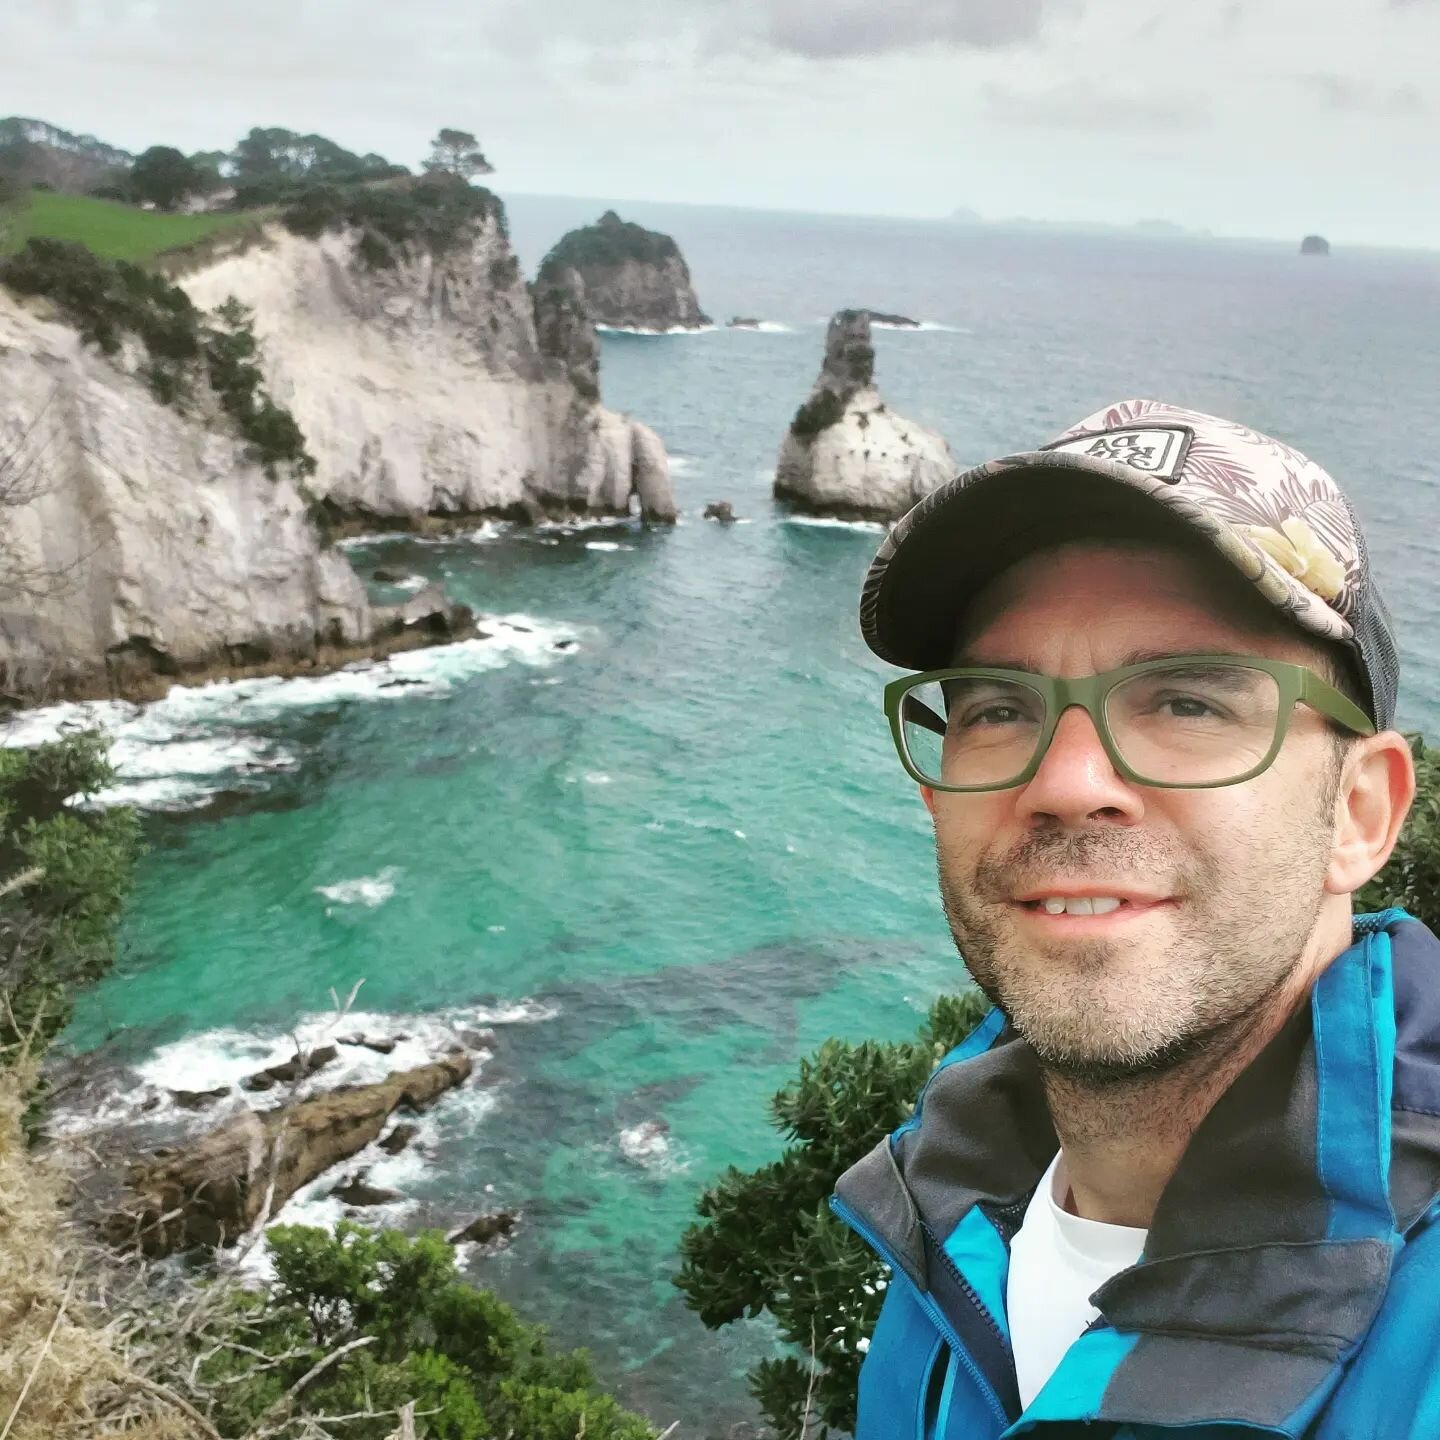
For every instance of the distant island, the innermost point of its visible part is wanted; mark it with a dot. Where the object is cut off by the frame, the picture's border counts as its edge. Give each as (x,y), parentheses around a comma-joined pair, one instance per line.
(1314,245)
(1162,229)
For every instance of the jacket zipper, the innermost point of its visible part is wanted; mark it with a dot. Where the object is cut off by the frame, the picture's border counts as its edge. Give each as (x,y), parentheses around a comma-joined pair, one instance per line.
(937,1317)
(966,1288)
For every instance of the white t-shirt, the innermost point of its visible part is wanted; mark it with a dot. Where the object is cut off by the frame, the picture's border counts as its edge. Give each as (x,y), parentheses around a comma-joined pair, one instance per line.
(1057,1261)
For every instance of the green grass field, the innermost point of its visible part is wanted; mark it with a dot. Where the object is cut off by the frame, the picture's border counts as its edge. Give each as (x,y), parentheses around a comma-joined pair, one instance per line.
(118,232)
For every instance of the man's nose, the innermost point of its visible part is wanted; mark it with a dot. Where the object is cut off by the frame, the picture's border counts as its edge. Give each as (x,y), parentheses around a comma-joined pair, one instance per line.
(1076,783)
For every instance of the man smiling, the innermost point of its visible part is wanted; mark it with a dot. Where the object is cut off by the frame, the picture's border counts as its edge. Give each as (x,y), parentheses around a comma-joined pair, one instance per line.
(1180,1180)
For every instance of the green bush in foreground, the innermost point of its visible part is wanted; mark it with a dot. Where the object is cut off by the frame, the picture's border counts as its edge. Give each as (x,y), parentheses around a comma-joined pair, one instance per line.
(767,1241)
(64,873)
(472,1368)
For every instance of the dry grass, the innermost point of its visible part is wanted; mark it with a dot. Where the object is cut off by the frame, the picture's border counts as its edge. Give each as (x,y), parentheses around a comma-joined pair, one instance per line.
(64,1373)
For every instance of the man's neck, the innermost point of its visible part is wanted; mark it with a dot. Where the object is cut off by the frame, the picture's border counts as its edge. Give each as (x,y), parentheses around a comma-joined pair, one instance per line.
(1123,1136)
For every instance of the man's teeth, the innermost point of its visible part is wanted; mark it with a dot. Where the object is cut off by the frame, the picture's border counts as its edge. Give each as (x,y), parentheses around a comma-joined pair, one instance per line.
(1079,904)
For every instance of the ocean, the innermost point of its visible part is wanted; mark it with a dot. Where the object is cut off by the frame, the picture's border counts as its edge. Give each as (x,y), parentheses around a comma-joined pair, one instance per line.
(652,832)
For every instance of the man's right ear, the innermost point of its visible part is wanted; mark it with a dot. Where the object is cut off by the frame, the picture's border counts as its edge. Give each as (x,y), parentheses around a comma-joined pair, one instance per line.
(928,796)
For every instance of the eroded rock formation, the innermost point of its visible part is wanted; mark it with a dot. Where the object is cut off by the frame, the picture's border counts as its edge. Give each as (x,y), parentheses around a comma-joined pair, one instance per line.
(212,1191)
(846,453)
(629,277)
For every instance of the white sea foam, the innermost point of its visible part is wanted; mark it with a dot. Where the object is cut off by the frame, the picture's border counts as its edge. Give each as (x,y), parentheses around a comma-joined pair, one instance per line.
(178,752)
(765,327)
(641,330)
(827,522)
(606,545)
(367,890)
(215,1059)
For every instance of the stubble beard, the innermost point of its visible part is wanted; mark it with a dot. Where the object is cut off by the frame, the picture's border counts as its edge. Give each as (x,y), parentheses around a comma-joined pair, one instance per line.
(1103,1012)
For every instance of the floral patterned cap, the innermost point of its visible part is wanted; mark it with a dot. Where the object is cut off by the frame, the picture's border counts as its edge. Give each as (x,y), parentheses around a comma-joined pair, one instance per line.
(1272,512)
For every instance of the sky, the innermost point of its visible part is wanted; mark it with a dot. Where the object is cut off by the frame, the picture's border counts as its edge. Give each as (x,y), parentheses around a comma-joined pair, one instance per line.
(1267,118)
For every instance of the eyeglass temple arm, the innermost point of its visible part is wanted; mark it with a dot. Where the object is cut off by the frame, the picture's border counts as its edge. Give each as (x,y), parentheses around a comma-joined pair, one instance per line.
(917,712)
(1320,695)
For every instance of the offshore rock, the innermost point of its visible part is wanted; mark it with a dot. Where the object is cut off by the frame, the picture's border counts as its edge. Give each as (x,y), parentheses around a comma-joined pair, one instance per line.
(212,1191)
(630,277)
(1314,245)
(846,454)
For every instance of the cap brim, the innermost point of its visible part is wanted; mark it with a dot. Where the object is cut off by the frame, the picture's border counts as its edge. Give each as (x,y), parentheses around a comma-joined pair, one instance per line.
(965,533)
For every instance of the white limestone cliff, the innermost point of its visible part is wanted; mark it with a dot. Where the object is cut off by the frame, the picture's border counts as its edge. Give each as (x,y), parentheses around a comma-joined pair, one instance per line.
(431,389)
(428,388)
(847,454)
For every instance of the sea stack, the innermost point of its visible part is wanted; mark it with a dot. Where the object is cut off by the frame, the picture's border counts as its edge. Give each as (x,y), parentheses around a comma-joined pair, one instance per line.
(846,454)
(1314,245)
(631,278)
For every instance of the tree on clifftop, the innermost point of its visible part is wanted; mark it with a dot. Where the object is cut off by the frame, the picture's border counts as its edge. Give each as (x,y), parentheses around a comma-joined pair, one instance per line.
(164,177)
(456,152)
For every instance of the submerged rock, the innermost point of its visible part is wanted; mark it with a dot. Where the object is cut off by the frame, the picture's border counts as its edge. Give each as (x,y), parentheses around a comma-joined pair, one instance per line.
(629,277)
(358,1191)
(742,322)
(846,454)
(721,510)
(895,322)
(485,1228)
(399,1138)
(213,1190)
(198,1099)
(297,1067)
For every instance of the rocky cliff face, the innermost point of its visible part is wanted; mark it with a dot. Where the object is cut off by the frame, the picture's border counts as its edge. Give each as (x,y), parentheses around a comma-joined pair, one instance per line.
(629,277)
(846,454)
(159,550)
(436,386)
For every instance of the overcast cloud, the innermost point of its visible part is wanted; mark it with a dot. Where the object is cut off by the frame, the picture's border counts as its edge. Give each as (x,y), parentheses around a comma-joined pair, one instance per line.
(1275,117)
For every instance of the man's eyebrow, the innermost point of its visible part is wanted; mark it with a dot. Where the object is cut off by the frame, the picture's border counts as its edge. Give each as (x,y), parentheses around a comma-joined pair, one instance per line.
(1135,657)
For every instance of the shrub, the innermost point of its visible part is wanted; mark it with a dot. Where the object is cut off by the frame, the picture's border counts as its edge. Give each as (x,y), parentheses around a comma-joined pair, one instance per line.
(437,213)
(473,1369)
(822,410)
(105,300)
(610,241)
(768,1242)
(57,927)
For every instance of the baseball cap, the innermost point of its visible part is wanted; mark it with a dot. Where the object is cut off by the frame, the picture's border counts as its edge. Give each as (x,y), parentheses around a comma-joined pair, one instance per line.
(1273,513)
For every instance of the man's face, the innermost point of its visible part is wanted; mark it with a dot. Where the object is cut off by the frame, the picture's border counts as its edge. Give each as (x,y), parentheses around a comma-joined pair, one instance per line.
(1221,888)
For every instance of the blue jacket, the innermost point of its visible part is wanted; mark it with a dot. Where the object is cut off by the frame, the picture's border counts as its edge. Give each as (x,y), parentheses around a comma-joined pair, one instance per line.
(1290,1283)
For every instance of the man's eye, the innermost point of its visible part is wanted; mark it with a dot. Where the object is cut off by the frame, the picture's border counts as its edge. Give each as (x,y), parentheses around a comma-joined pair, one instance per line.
(1187,707)
(992,715)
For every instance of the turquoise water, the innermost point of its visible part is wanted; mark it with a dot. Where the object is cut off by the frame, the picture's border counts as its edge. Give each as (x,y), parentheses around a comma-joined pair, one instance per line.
(682,836)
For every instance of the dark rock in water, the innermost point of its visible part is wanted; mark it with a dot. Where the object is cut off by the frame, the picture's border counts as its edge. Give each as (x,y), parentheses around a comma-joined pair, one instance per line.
(720,510)
(563,645)
(387,577)
(522,629)
(485,1228)
(624,275)
(212,1191)
(477,1039)
(380,1044)
(399,1138)
(742,322)
(297,1067)
(357,1190)
(899,322)
(1314,245)
(198,1099)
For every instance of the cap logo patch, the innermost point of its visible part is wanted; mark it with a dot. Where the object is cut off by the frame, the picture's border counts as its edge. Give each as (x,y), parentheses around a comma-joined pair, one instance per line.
(1156,451)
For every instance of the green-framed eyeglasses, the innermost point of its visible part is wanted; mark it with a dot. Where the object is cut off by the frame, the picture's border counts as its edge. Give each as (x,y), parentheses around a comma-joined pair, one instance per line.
(1184,722)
